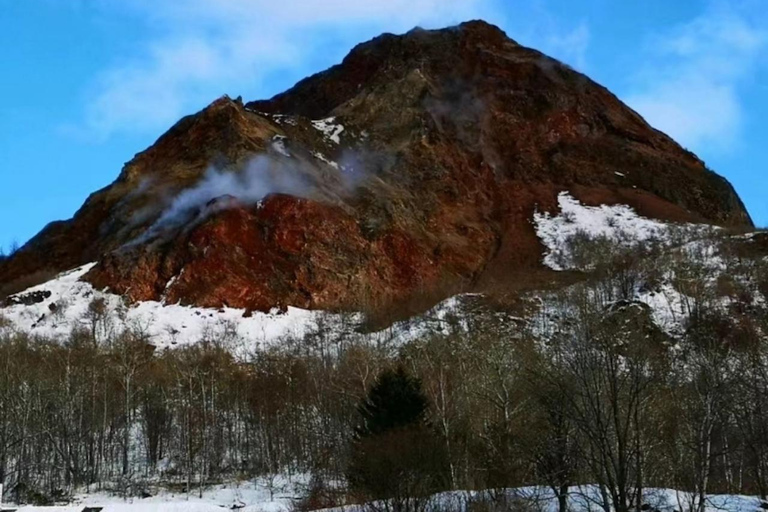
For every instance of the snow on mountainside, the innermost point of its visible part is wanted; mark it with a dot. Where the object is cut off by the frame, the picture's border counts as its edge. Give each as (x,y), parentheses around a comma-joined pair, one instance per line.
(67,308)
(683,251)
(330,129)
(618,223)
(55,308)
(399,172)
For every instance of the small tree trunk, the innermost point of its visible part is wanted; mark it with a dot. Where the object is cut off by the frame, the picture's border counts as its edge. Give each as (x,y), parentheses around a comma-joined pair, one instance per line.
(562,499)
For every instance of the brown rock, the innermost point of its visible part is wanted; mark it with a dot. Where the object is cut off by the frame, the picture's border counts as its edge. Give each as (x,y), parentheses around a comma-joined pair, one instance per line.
(452,138)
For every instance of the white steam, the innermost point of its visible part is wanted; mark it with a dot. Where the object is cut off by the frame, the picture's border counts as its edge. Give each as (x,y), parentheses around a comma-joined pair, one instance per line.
(280,172)
(260,177)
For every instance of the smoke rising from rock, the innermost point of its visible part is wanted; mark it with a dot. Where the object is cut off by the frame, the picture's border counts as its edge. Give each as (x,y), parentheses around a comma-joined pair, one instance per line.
(263,175)
(281,171)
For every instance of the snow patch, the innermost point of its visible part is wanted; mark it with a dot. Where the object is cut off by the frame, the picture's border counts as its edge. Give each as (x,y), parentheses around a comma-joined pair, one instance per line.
(669,309)
(323,158)
(68,307)
(330,129)
(278,118)
(71,306)
(617,223)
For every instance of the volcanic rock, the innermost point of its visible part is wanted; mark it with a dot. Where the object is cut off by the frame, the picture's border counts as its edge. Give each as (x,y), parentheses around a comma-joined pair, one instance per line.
(406,173)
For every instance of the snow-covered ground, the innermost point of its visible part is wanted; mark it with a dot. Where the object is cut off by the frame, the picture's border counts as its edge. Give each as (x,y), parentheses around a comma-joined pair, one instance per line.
(581,499)
(277,495)
(167,325)
(616,223)
(285,493)
(262,495)
(330,128)
(143,507)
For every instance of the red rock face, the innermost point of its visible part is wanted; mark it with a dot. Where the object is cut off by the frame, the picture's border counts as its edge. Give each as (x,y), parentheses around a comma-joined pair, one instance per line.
(287,251)
(451,140)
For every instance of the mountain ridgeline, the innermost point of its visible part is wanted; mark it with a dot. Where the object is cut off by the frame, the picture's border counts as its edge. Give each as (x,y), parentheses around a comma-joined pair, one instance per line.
(409,172)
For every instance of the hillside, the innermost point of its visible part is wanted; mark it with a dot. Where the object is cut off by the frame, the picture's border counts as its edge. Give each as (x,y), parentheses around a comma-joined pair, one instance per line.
(406,174)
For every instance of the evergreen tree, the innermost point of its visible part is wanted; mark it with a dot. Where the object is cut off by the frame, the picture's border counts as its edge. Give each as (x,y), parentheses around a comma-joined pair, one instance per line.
(396,456)
(395,401)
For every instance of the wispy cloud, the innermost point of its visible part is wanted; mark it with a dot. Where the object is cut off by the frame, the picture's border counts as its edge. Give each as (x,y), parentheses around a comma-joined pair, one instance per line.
(570,46)
(539,24)
(205,48)
(692,86)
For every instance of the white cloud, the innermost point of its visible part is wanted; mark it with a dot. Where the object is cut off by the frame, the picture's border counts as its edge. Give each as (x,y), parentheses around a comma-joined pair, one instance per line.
(570,46)
(694,95)
(204,48)
(313,12)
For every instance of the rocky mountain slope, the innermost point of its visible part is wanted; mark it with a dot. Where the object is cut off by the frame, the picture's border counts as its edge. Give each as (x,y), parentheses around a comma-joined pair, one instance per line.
(406,174)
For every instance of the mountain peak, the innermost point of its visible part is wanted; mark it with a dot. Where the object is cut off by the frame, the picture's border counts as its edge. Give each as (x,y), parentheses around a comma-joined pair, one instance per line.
(409,171)
(444,54)
(482,29)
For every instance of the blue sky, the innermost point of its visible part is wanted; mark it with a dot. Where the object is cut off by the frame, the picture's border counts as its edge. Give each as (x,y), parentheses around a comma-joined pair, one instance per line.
(88,83)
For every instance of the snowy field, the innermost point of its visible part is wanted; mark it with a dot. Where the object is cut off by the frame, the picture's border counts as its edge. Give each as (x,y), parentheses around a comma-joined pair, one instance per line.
(250,497)
(277,495)
(581,499)
(263,495)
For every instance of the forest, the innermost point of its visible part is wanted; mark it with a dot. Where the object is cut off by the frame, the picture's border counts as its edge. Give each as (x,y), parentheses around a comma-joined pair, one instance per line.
(584,388)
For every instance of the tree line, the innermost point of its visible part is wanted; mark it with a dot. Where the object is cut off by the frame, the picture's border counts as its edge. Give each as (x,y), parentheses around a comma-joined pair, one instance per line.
(590,389)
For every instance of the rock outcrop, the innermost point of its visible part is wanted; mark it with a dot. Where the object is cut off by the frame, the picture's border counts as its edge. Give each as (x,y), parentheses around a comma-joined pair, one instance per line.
(442,145)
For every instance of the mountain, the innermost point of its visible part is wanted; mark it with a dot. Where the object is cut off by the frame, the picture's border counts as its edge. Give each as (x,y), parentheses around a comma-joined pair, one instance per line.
(408,173)
(576,302)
